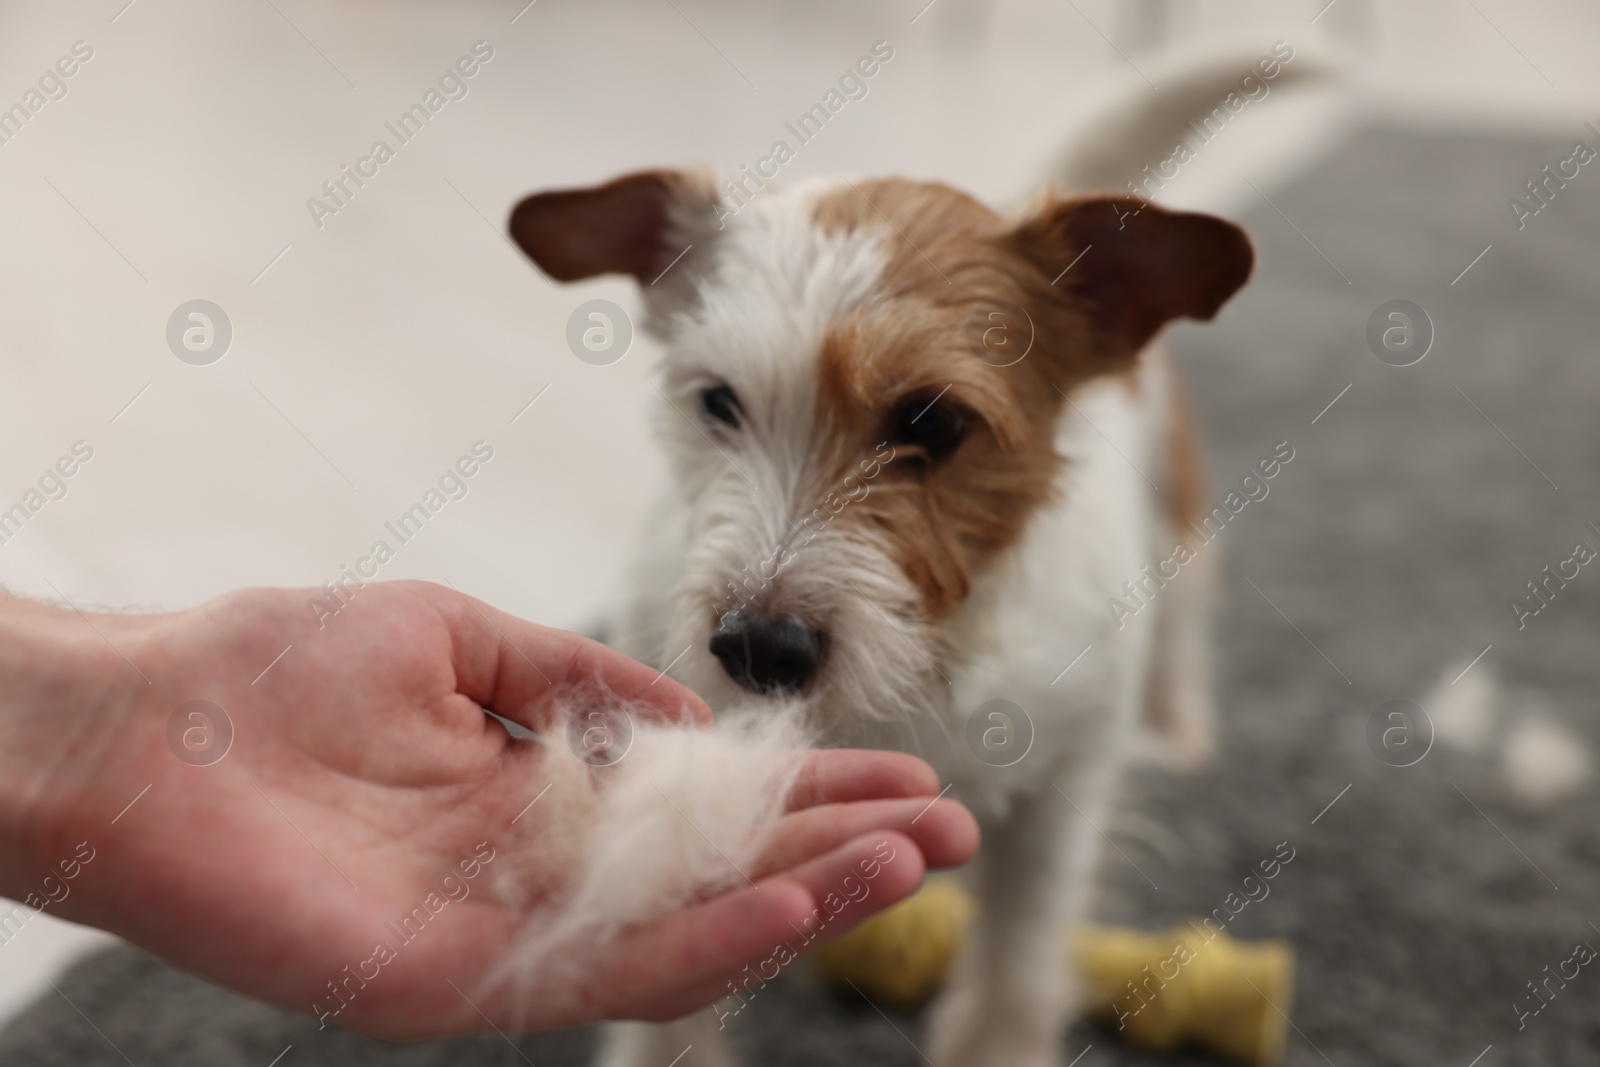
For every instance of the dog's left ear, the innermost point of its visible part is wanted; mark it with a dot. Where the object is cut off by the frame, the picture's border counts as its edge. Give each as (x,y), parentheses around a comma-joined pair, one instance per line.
(1134,266)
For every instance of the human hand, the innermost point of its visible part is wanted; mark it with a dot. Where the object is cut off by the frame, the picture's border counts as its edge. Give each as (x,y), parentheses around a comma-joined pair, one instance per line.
(362,777)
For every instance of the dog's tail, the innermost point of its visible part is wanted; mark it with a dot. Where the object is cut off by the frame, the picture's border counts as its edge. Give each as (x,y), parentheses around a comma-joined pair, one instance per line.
(1186,100)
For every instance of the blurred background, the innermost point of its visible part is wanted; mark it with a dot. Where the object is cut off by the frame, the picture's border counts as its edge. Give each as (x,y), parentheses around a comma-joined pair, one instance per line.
(373,345)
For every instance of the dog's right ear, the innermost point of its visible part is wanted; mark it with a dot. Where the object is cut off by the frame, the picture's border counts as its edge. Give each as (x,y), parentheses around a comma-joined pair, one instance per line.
(638,224)
(1143,265)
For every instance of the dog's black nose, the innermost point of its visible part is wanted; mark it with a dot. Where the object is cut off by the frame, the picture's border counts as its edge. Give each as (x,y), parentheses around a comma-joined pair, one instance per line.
(767,653)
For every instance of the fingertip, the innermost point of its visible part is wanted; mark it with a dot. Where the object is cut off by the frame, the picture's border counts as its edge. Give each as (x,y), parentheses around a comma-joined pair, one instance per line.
(954,836)
(904,868)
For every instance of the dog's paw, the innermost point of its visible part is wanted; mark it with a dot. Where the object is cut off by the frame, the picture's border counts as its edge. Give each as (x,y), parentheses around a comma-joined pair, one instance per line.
(971,1029)
(687,1042)
(996,1048)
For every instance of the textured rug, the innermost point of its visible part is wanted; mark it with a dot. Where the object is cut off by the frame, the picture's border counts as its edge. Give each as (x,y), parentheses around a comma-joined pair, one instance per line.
(1421,899)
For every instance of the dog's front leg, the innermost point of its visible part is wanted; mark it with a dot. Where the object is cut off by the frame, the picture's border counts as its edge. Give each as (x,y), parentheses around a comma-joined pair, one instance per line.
(1014,987)
(692,1041)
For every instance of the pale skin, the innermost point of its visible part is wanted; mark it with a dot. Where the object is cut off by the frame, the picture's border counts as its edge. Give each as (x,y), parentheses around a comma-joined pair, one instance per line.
(362,771)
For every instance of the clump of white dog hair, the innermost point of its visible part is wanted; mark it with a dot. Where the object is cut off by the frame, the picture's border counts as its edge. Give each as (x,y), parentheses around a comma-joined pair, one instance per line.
(640,818)
(1542,761)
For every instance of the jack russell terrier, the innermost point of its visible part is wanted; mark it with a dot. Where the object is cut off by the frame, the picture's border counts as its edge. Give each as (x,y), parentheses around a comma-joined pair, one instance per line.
(909,441)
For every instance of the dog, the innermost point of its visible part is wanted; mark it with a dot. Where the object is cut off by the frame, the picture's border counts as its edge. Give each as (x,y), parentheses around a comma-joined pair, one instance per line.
(917,449)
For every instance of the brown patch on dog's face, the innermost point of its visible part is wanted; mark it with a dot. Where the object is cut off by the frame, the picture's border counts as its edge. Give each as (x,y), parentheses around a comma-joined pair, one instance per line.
(974,435)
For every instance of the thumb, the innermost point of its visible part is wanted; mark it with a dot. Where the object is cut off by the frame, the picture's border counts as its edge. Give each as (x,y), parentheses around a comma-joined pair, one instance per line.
(520,669)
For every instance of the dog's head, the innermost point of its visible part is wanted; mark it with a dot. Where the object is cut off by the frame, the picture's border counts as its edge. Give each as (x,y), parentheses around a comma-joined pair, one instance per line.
(861,387)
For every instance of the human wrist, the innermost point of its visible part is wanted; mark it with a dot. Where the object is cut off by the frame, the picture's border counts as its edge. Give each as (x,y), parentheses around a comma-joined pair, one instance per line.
(59,693)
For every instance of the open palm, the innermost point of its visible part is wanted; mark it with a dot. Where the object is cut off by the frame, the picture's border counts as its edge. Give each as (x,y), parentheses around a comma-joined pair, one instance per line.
(365,799)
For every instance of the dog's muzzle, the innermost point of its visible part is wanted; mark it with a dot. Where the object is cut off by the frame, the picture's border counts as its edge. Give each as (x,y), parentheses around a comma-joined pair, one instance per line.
(767,653)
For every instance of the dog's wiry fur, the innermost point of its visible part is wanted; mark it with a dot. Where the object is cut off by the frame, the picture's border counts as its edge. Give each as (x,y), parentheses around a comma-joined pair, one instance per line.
(949,581)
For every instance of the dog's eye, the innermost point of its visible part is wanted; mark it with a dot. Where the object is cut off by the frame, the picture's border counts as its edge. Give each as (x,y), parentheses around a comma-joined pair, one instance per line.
(927,423)
(721,404)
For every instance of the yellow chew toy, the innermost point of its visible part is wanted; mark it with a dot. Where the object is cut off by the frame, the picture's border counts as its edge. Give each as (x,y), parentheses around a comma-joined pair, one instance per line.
(1188,985)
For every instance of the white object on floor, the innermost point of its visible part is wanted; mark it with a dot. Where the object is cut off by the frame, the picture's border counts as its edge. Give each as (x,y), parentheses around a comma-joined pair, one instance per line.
(1463,707)
(1543,762)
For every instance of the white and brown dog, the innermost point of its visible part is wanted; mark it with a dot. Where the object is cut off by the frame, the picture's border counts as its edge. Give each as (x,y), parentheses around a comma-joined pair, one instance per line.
(909,439)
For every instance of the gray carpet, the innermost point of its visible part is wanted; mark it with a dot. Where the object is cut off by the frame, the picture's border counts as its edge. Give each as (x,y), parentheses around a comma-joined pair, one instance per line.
(1393,541)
